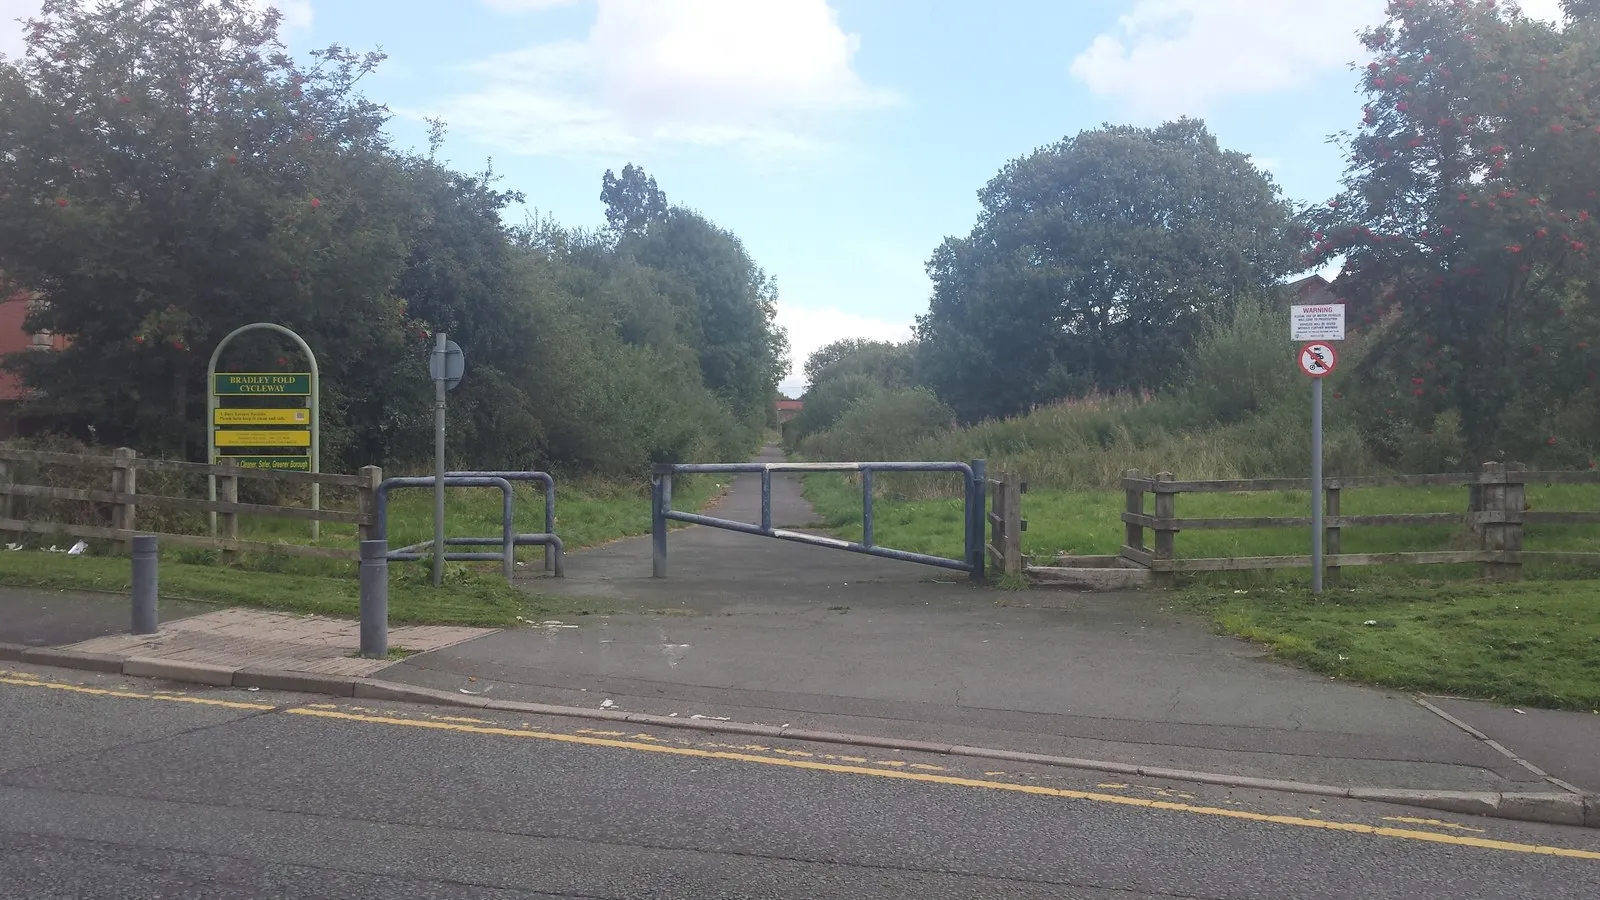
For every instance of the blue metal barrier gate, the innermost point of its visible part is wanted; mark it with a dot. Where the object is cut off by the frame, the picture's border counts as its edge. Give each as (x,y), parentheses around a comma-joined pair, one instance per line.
(973,475)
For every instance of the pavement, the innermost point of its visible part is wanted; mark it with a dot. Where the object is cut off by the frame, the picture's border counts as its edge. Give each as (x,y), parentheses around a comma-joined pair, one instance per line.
(96,626)
(796,638)
(112,786)
(758,630)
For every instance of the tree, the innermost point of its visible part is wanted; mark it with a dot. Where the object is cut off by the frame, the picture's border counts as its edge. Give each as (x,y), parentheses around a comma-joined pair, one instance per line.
(729,306)
(171,174)
(1092,262)
(632,201)
(893,365)
(1467,218)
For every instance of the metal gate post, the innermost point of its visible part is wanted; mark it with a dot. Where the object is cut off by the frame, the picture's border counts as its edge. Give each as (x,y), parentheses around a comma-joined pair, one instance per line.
(660,494)
(977,516)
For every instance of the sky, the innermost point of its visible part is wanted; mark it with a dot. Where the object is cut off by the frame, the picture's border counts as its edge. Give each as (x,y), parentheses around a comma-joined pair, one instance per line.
(842,140)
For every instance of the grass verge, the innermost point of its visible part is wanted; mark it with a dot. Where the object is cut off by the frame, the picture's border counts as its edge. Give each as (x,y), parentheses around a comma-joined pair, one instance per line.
(469,597)
(1532,644)
(587,513)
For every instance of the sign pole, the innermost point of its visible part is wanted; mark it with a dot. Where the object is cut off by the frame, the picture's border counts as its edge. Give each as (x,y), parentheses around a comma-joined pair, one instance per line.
(1316,486)
(440,345)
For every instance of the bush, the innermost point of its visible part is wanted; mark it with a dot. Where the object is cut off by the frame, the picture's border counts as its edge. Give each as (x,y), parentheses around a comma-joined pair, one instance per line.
(885,425)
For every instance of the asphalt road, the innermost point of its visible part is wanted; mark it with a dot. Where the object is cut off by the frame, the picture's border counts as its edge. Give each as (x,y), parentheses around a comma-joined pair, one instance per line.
(113,787)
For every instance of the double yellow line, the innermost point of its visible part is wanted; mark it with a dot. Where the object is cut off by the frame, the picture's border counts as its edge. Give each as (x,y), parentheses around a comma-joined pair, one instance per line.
(334,714)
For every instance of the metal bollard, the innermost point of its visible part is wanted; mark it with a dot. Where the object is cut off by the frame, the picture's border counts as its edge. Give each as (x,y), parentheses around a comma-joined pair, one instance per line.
(375,599)
(146,584)
(660,502)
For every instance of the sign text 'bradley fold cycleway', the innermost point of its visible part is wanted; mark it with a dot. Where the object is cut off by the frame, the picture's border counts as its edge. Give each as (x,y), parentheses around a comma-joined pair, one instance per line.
(293,383)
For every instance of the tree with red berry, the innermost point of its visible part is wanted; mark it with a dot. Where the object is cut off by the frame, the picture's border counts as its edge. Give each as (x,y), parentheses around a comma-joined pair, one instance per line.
(159,192)
(1468,214)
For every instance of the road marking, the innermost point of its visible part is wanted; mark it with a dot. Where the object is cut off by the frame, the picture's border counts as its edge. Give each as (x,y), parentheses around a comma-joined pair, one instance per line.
(13,678)
(328,711)
(1436,823)
(956,781)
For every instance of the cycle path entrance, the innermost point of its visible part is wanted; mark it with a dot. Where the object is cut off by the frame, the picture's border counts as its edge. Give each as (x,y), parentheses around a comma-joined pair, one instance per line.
(758,630)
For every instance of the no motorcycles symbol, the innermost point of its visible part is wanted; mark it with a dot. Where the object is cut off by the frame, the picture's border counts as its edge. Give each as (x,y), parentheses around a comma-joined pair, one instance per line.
(1318,359)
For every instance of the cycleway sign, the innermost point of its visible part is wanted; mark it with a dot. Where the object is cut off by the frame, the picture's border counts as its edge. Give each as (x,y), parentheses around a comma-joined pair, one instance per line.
(265,420)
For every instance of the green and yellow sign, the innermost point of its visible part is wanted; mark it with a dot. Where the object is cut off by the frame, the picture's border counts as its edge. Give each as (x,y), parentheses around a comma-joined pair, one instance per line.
(269,463)
(238,416)
(262,383)
(257,438)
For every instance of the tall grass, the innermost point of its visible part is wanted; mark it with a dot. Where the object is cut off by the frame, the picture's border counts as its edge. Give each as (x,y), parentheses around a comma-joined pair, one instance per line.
(1241,411)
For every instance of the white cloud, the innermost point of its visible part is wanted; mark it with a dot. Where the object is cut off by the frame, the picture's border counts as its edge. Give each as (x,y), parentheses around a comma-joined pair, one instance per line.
(811,329)
(11,44)
(1548,10)
(653,72)
(516,6)
(1172,57)
(297,14)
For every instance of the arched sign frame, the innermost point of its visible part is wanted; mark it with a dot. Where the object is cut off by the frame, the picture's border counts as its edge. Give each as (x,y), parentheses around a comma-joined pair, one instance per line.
(316,413)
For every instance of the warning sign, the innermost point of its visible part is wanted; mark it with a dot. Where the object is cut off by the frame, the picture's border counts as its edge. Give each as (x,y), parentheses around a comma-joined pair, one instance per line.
(1317,323)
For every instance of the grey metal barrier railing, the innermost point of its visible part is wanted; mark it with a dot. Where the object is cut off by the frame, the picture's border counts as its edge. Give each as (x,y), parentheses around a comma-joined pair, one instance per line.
(509,539)
(549,484)
(976,488)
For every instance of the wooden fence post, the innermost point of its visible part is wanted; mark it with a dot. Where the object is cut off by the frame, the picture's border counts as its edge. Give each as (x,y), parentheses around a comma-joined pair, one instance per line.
(1502,497)
(5,492)
(125,482)
(1011,487)
(1516,505)
(367,501)
(1166,512)
(1133,534)
(1331,540)
(228,492)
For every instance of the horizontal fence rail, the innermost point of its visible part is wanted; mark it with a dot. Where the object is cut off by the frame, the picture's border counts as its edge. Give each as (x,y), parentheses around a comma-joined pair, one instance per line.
(124,500)
(975,490)
(1496,510)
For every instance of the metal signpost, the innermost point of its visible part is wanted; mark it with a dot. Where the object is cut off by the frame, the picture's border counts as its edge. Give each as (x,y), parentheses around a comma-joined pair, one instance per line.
(445,365)
(279,428)
(1319,326)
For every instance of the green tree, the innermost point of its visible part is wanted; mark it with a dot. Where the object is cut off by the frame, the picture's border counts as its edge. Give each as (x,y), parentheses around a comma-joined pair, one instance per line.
(891,364)
(1092,263)
(1467,220)
(632,201)
(729,306)
(171,174)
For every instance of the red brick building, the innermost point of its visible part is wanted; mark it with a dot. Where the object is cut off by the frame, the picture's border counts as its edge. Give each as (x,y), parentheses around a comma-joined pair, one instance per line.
(15,338)
(788,409)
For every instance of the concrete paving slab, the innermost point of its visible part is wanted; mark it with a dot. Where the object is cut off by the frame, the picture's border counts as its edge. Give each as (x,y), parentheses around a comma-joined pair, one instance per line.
(1564,744)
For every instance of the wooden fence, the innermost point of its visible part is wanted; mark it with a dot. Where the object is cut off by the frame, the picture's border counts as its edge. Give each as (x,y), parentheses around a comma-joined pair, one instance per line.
(122,469)
(1495,509)
(1006,524)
